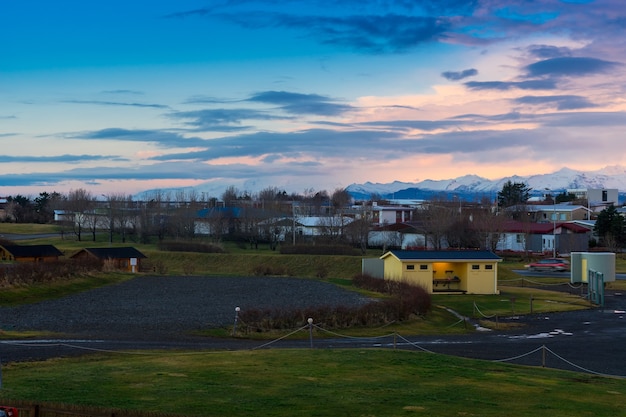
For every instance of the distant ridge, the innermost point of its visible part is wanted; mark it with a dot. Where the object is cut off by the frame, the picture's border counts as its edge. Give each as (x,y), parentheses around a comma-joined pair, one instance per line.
(473,187)
(467,187)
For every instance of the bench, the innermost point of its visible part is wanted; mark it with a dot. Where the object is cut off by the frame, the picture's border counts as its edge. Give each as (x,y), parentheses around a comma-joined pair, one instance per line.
(446,281)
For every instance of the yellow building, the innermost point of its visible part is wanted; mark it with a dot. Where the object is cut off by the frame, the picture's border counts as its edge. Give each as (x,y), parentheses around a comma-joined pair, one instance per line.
(464,271)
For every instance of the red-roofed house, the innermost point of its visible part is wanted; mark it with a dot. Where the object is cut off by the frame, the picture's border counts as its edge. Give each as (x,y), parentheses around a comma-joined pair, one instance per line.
(566,237)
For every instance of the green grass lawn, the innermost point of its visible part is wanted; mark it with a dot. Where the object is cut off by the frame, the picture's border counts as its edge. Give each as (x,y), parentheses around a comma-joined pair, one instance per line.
(310,382)
(351,382)
(27,228)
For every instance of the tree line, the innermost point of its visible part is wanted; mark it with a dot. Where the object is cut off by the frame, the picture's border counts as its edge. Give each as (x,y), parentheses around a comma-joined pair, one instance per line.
(242,216)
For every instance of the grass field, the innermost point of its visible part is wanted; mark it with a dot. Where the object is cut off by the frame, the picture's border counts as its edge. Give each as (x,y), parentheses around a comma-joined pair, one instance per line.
(313,383)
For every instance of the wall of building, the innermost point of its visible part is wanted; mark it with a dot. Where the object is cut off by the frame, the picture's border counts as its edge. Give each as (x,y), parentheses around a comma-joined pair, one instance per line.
(482,277)
(603,196)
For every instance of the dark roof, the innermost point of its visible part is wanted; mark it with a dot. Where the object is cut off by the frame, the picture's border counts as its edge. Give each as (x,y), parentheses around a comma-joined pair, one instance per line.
(113,253)
(219,211)
(397,227)
(541,228)
(23,251)
(444,255)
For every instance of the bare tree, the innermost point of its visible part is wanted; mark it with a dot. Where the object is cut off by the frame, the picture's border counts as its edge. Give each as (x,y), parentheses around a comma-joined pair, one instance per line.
(80,203)
(121,214)
(182,220)
(340,199)
(20,209)
(154,217)
(489,226)
(314,201)
(271,198)
(230,196)
(358,231)
(436,218)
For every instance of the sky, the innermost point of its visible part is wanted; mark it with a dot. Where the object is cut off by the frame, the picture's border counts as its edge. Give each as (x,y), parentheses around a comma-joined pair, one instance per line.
(129,96)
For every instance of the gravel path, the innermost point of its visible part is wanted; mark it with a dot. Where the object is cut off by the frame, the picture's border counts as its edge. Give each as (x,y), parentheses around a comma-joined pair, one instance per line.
(150,307)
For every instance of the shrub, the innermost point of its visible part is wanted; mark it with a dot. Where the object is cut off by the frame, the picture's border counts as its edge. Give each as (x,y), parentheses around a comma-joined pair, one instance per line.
(26,273)
(155,266)
(319,250)
(405,301)
(186,246)
(189,267)
(411,299)
(321,271)
(266,269)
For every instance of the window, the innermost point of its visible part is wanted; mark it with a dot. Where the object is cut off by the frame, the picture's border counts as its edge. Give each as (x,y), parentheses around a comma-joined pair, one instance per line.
(605,195)
(519,238)
(475,266)
(423,267)
(488,266)
(410,267)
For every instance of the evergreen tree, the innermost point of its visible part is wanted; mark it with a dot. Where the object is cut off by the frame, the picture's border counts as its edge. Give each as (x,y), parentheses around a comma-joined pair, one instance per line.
(610,225)
(513,194)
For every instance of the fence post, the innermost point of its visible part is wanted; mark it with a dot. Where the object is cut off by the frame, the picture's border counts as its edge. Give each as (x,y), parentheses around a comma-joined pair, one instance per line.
(237,310)
(543,356)
(310,321)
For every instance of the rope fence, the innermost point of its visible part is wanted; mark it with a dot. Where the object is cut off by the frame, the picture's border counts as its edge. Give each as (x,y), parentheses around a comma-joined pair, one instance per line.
(393,337)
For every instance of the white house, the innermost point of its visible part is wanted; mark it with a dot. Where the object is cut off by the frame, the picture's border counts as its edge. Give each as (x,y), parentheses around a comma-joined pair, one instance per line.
(382,215)
(310,226)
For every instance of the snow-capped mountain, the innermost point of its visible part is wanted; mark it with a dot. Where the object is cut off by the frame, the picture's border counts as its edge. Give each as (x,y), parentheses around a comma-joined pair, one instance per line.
(467,187)
(559,181)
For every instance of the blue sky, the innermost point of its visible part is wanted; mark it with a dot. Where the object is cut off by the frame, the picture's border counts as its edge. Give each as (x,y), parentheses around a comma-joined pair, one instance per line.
(129,96)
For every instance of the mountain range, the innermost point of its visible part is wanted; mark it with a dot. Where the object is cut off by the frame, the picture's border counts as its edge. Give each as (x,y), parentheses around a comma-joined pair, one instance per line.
(472,187)
(467,187)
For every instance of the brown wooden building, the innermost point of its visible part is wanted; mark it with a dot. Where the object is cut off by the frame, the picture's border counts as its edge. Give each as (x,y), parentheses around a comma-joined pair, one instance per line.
(30,253)
(123,258)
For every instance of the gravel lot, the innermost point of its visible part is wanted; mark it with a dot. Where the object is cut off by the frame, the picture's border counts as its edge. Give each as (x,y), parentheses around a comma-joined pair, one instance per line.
(159,308)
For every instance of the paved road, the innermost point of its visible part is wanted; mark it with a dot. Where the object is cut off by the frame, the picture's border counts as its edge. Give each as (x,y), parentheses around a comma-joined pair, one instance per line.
(30,236)
(550,274)
(592,341)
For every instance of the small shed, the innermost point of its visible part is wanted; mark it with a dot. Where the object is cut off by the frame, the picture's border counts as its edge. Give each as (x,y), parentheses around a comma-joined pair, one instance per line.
(30,253)
(463,271)
(583,263)
(124,258)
